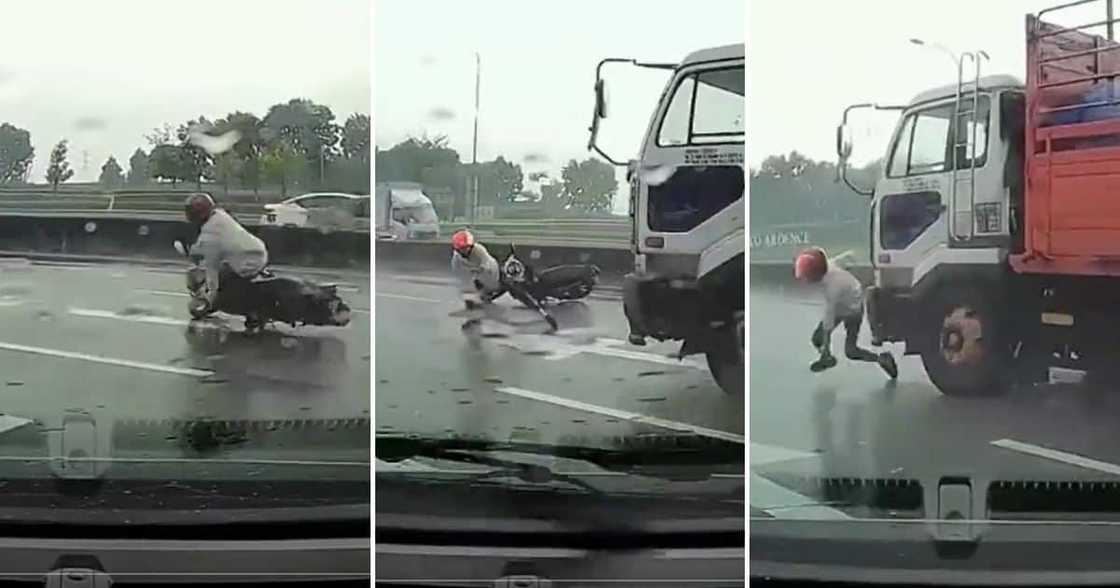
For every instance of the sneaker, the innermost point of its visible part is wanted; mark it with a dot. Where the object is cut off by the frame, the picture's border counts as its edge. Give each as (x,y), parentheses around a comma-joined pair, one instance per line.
(886,361)
(552,323)
(823,364)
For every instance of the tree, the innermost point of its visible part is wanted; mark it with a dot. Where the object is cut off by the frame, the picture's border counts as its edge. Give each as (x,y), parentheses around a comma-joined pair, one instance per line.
(59,169)
(226,168)
(356,137)
(138,167)
(499,182)
(16,154)
(249,148)
(166,164)
(588,186)
(307,128)
(164,135)
(197,163)
(282,163)
(111,173)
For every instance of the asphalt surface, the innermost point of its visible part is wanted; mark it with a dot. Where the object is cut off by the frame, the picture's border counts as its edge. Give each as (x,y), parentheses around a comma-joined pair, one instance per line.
(102,360)
(508,380)
(851,423)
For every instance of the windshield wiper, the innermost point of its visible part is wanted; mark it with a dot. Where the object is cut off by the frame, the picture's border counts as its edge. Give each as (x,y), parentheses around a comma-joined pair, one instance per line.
(657,460)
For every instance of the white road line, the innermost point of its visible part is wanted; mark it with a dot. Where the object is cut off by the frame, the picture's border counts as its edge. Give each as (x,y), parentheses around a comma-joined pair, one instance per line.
(558,350)
(9,422)
(411,298)
(134,318)
(140,365)
(166,293)
(621,414)
(1055,455)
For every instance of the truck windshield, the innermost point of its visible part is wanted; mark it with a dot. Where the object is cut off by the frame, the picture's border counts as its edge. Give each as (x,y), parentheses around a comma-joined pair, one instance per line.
(707,107)
(923,145)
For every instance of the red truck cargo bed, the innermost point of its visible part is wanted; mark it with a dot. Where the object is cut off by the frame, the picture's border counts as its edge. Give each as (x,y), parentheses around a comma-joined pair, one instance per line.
(1072,160)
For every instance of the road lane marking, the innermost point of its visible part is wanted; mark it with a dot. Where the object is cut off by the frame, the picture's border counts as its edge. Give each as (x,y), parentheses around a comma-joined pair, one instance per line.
(140,365)
(134,318)
(166,293)
(1061,456)
(411,298)
(557,350)
(621,414)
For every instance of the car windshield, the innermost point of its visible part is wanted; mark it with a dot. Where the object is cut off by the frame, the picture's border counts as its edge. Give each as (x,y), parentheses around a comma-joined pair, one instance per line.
(928,340)
(118,377)
(547,363)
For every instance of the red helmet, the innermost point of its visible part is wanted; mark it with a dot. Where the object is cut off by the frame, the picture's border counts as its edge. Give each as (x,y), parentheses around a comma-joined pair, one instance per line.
(810,265)
(199,207)
(462,241)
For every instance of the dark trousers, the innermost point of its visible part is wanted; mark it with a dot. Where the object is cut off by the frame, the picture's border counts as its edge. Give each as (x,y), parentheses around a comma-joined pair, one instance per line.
(852,350)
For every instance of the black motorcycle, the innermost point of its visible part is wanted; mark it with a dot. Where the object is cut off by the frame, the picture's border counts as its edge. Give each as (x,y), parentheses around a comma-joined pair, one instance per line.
(534,288)
(267,298)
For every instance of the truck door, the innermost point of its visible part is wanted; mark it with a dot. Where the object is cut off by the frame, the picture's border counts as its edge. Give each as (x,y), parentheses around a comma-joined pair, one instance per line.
(929,197)
(690,177)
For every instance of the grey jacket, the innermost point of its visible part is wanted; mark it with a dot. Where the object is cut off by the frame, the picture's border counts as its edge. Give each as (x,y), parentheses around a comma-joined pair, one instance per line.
(480,265)
(223,242)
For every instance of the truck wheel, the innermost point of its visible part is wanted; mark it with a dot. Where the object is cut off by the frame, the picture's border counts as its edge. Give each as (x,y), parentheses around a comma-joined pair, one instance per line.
(727,371)
(964,356)
(726,363)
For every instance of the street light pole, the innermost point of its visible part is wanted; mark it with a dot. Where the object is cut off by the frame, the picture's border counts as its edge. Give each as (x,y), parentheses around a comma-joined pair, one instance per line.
(939,46)
(474,148)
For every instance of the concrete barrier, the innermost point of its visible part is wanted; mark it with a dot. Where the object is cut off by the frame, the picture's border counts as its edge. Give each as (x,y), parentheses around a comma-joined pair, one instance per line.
(152,239)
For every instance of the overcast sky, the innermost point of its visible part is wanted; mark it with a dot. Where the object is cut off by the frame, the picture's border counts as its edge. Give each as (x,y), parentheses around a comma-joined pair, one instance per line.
(125,66)
(810,59)
(538,63)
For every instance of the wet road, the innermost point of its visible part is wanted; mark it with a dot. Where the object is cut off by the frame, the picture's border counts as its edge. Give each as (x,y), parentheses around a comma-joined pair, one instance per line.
(849,422)
(104,357)
(509,381)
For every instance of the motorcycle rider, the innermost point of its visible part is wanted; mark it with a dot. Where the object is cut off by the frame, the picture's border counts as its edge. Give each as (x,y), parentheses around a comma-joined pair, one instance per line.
(230,254)
(843,296)
(481,277)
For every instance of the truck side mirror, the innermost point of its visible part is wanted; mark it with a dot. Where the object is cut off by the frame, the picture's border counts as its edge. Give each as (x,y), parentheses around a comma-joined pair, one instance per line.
(601,98)
(843,143)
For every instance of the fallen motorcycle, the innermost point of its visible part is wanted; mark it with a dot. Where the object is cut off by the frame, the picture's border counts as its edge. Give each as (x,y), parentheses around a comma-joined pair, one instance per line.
(535,289)
(269,298)
(557,283)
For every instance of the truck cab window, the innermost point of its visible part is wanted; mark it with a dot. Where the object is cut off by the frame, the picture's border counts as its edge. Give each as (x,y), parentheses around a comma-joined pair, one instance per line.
(674,126)
(927,145)
(923,144)
(718,116)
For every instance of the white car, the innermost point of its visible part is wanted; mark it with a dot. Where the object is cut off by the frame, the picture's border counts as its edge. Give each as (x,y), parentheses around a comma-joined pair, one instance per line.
(296,212)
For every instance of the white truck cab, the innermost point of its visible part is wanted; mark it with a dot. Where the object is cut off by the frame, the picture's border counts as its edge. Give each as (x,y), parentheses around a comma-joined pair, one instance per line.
(687,209)
(944,216)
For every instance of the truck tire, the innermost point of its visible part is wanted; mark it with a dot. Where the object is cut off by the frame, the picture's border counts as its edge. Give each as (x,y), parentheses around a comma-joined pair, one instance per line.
(964,354)
(727,362)
(728,371)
